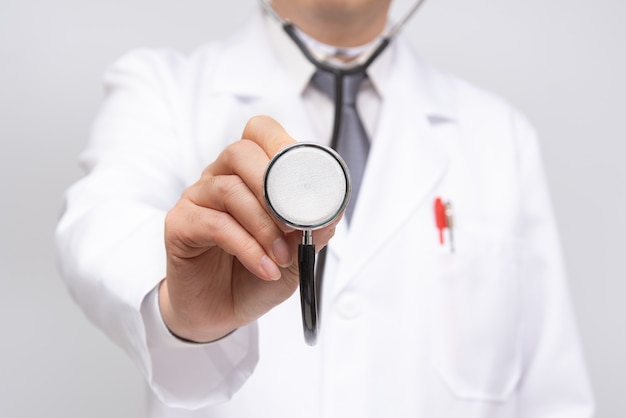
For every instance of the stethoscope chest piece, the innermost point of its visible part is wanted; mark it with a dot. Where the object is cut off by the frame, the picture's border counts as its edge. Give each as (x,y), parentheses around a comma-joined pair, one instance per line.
(307,186)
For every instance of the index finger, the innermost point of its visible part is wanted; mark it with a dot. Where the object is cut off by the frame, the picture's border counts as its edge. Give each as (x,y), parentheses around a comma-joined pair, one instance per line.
(267,134)
(248,158)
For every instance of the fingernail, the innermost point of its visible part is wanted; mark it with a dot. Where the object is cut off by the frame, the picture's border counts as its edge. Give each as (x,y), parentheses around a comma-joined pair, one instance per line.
(281,251)
(270,268)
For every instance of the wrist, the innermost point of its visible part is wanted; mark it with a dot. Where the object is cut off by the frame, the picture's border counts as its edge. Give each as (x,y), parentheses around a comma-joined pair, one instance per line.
(176,327)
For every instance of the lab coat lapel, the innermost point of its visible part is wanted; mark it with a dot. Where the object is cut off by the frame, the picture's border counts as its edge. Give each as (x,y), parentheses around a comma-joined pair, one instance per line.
(405,164)
(251,71)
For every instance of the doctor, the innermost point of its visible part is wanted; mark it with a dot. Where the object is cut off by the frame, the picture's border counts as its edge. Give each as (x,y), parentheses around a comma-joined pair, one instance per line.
(168,247)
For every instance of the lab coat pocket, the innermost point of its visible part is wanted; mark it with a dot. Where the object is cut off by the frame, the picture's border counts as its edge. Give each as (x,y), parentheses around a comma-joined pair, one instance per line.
(475,318)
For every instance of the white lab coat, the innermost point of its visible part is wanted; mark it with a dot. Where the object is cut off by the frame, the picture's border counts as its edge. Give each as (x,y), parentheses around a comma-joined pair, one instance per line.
(409,328)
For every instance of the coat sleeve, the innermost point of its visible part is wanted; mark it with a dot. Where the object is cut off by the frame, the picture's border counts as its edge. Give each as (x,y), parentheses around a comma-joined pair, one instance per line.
(554,381)
(109,239)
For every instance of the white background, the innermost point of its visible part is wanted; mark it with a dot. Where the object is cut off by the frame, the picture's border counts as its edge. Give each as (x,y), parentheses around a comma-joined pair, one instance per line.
(562,62)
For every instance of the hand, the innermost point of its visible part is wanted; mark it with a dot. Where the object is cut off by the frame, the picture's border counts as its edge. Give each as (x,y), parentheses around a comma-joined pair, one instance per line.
(228,260)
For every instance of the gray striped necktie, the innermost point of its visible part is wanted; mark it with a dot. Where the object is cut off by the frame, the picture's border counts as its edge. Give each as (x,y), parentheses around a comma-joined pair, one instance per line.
(352,142)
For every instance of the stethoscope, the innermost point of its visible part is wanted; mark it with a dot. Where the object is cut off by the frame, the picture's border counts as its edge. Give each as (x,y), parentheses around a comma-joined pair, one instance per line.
(307,185)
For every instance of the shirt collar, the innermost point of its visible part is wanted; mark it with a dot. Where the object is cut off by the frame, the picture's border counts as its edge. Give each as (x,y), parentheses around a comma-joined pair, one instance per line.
(300,70)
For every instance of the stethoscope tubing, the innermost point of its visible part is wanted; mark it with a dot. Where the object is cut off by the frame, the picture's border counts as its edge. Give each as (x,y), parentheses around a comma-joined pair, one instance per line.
(339,73)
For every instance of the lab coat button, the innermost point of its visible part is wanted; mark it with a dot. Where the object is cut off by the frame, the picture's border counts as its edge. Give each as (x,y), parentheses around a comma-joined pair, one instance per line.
(349,306)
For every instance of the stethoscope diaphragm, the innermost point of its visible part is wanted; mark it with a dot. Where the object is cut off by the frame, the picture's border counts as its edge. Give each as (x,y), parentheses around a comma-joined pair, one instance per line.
(307,186)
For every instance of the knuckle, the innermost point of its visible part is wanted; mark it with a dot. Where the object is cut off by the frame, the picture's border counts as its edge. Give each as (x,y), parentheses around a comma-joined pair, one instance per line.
(247,245)
(175,230)
(257,122)
(189,228)
(234,152)
(173,220)
(266,227)
(231,189)
(217,225)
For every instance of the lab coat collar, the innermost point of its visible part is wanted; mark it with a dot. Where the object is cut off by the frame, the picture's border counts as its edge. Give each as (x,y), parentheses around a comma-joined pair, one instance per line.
(249,65)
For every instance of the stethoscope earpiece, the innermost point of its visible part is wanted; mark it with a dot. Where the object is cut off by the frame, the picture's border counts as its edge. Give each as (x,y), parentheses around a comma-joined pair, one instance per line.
(307,186)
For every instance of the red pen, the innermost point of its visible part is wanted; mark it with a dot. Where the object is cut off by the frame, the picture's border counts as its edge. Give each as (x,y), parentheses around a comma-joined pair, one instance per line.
(444,219)
(440,218)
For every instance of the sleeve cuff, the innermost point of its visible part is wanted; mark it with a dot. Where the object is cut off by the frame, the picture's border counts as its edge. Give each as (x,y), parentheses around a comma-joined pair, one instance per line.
(157,333)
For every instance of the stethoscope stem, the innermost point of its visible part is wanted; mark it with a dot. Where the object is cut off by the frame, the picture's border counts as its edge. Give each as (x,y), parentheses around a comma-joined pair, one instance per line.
(309,293)
(307,237)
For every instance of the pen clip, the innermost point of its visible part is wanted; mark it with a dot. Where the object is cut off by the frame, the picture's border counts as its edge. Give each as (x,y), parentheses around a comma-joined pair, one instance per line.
(449,213)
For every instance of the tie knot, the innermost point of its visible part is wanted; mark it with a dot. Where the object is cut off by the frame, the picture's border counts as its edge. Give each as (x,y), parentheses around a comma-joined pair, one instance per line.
(324,81)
